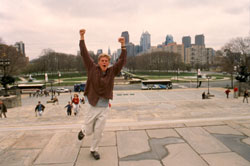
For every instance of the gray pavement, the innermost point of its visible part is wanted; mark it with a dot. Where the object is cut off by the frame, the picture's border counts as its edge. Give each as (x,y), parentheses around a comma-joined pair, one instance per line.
(144,128)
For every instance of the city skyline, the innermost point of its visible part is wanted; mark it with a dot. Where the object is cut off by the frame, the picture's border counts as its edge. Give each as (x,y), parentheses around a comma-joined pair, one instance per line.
(43,24)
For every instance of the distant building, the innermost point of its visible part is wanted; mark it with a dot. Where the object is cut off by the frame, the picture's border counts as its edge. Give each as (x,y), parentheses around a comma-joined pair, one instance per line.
(175,48)
(169,39)
(200,40)
(20,47)
(109,52)
(198,54)
(172,47)
(130,49)
(145,41)
(99,51)
(186,41)
(116,55)
(138,49)
(126,36)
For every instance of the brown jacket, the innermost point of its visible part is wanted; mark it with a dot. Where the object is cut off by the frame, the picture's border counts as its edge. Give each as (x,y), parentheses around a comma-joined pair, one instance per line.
(99,84)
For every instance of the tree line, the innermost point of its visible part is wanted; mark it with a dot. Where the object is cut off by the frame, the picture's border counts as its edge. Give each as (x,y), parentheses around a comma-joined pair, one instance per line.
(52,62)
(160,61)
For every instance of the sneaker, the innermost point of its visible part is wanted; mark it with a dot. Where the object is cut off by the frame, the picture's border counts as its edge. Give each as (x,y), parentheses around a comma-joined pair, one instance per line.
(95,154)
(80,135)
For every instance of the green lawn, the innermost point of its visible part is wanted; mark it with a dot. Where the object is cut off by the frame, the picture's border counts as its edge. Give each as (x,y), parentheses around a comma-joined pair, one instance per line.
(75,79)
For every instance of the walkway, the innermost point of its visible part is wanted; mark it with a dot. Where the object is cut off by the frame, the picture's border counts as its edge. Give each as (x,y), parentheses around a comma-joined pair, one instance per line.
(145,128)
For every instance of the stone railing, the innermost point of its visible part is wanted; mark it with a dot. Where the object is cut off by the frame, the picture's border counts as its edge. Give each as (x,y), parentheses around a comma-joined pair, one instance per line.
(13,100)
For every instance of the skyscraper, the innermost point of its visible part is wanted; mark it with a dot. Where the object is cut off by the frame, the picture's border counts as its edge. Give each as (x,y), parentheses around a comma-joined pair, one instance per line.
(99,51)
(20,47)
(109,52)
(130,49)
(145,41)
(126,36)
(186,40)
(169,39)
(200,40)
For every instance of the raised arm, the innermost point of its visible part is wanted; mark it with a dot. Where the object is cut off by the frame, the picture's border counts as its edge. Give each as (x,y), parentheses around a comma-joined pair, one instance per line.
(122,59)
(88,61)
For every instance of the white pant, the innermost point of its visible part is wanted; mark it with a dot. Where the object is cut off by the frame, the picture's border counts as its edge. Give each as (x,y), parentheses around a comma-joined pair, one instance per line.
(94,123)
(40,113)
(76,108)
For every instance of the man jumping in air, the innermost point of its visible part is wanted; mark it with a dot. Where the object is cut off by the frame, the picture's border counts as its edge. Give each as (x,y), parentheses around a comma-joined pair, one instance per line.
(98,91)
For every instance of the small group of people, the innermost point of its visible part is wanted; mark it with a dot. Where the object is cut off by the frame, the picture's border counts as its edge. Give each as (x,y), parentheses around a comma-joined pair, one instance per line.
(75,104)
(235,90)
(40,93)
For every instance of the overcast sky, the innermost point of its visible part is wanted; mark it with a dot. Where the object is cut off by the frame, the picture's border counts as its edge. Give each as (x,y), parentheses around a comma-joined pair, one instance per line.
(55,24)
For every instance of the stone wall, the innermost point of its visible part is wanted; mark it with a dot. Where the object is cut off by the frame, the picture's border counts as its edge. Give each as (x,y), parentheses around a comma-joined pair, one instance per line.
(14,100)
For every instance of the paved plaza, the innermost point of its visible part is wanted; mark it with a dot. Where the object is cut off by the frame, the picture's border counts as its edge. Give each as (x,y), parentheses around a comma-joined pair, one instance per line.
(145,128)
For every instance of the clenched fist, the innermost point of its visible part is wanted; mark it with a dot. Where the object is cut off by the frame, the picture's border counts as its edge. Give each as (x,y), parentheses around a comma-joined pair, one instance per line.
(82,32)
(122,41)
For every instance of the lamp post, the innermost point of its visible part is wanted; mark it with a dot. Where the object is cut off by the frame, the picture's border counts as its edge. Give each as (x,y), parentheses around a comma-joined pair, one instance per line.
(4,63)
(59,75)
(51,89)
(208,77)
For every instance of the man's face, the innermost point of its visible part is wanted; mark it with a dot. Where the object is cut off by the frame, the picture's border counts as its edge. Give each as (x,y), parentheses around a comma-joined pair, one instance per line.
(103,63)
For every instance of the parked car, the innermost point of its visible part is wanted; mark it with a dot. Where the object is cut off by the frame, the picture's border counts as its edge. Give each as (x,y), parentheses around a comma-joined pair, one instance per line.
(79,87)
(62,90)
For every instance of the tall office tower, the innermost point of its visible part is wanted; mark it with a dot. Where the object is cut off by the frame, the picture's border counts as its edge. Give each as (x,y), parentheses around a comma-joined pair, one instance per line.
(186,40)
(200,40)
(145,42)
(130,49)
(169,39)
(99,51)
(109,52)
(20,47)
(126,36)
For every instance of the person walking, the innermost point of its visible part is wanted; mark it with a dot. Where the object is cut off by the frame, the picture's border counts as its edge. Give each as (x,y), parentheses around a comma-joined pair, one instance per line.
(235,92)
(55,100)
(227,92)
(39,109)
(75,102)
(3,109)
(98,91)
(245,97)
(203,95)
(69,108)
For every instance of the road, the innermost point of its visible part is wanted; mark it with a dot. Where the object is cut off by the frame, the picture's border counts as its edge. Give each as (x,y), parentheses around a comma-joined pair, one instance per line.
(221,83)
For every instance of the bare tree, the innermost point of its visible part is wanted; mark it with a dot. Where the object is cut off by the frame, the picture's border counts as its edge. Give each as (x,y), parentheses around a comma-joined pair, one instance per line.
(131,63)
(236,54)
(17,60)
(241,46)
